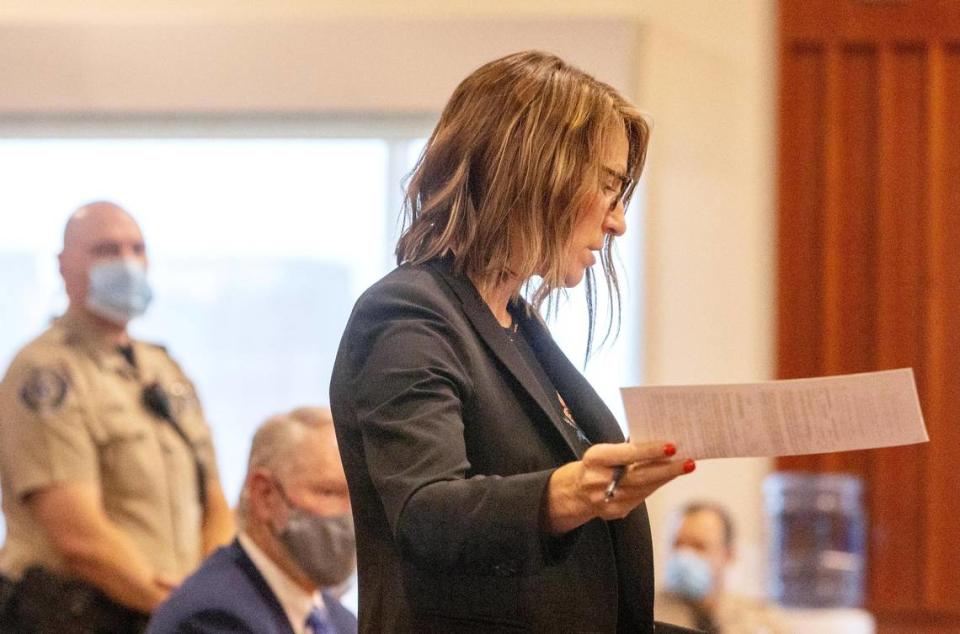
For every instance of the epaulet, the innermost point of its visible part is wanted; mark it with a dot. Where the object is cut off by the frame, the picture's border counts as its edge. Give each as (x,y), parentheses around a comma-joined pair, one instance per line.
(51,337)
(158,346)
(161,351)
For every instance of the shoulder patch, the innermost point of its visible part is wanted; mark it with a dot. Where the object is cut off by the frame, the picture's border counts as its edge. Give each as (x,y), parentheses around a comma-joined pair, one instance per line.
(44,389)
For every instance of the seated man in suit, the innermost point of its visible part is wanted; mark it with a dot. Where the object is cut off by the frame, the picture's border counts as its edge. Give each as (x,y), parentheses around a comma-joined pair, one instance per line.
(296,539)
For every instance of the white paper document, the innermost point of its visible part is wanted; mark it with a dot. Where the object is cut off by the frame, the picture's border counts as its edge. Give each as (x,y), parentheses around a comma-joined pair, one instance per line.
(780,418)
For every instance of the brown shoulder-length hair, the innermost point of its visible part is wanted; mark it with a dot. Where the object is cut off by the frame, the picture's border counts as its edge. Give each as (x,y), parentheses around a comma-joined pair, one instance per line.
(508,170)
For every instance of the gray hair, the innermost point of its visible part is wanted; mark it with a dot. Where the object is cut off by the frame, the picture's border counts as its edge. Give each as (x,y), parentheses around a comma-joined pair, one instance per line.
(276,441)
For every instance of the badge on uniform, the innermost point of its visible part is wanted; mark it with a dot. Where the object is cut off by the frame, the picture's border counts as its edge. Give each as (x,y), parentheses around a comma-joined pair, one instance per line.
(183,399)
(44,389)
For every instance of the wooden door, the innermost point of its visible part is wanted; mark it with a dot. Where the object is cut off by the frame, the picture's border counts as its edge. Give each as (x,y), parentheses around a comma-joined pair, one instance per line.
(869,264)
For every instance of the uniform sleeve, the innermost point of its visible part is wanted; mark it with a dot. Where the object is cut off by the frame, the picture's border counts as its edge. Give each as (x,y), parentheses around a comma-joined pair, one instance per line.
(411,392)
(44,433)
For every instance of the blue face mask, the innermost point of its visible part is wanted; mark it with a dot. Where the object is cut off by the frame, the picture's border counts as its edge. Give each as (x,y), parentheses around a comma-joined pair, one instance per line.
(689,575)
(118,290)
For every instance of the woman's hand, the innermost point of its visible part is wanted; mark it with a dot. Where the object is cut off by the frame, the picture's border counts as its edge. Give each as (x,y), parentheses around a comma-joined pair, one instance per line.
(576,492)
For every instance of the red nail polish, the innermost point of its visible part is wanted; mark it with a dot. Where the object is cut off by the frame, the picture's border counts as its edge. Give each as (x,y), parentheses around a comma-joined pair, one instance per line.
(689,465)
(669,449)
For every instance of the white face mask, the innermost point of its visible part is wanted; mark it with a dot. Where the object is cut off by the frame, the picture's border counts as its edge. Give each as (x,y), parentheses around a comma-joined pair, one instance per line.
(323,546)
(118,290)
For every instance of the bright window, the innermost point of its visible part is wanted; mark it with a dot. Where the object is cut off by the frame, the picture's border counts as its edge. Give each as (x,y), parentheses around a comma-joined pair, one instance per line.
(258,249)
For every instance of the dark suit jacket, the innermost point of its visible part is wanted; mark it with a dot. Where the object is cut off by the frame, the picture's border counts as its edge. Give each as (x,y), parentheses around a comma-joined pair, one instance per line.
(448,441)
(228,594)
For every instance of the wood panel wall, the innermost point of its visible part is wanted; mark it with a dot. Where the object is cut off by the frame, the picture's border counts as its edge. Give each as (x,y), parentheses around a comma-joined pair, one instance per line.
(869,265)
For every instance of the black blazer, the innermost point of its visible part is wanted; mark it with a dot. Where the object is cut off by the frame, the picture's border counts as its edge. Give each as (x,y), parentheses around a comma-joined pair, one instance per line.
(227,593)
(448,441)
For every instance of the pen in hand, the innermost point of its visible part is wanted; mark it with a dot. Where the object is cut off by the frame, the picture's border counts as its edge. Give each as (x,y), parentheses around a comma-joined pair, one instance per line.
(614,482)
(615,478)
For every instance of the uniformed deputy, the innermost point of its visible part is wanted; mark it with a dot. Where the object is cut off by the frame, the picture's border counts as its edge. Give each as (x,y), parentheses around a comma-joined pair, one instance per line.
(110,487)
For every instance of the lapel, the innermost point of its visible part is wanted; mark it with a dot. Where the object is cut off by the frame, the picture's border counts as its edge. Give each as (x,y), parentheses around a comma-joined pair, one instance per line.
(492,334)
(246,564)
(591,413)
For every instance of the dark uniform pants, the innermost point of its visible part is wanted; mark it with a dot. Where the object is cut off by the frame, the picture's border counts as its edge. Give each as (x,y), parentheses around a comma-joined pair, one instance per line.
(45,603)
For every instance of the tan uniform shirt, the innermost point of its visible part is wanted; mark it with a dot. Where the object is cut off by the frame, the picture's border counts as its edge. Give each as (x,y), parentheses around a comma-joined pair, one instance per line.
(71,410)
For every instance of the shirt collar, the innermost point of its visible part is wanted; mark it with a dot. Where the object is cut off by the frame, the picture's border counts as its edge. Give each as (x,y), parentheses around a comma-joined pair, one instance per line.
(296,601)
(80,329)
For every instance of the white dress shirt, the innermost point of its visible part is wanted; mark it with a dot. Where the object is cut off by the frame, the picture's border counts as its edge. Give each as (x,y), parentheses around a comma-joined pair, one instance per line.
(296,601)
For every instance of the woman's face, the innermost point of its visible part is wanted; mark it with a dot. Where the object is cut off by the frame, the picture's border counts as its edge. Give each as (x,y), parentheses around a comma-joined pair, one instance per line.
(603,213)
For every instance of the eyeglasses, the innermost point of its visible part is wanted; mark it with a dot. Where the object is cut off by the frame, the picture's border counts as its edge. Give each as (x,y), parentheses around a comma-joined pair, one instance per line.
(625,183)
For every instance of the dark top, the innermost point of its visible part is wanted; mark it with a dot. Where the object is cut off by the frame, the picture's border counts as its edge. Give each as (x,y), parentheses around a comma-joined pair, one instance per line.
(448,440)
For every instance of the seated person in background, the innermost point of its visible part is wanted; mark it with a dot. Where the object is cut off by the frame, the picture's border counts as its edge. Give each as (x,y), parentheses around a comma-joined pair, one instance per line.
(110,487)
(694,593)
(296,540)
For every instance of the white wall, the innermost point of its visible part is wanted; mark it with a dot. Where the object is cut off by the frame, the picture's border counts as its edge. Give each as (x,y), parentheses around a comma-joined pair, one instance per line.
(281,64)
(708,77)
(705,70)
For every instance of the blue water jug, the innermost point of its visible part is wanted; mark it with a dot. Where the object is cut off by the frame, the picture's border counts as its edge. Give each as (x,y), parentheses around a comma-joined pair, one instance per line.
(817,539)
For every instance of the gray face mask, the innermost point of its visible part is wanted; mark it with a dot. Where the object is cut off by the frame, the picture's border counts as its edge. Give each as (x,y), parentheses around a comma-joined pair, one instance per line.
(118,290)
(323,546)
